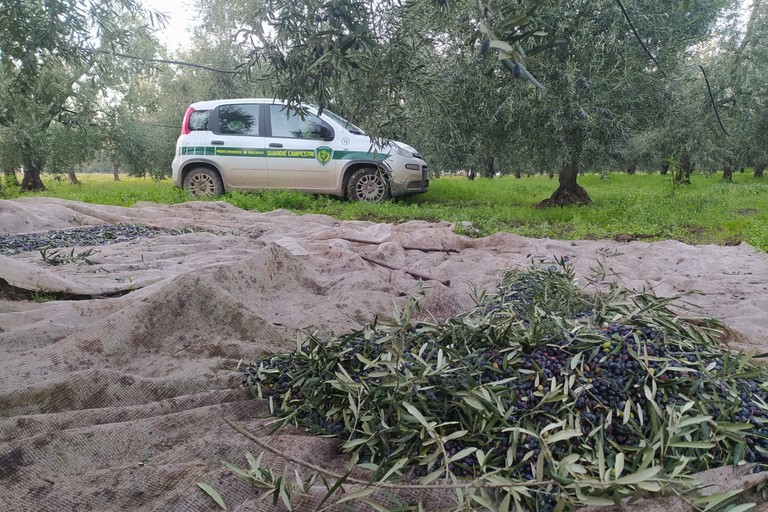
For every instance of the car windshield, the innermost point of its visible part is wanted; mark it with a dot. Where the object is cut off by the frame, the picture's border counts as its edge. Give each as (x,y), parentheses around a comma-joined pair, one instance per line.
(343,122)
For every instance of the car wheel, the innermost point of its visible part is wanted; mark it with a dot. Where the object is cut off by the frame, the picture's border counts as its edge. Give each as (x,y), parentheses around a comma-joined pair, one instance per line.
(201,182)
(368,185)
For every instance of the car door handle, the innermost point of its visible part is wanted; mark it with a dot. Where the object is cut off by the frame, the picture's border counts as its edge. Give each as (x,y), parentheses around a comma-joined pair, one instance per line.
(275,145)
(217,142)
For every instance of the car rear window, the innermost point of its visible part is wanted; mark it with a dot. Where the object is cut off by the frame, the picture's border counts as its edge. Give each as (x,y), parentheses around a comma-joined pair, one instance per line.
(239,119)
(198,121)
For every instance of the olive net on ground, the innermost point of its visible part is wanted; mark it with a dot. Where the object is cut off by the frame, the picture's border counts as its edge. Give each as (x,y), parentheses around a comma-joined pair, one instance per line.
(118,353)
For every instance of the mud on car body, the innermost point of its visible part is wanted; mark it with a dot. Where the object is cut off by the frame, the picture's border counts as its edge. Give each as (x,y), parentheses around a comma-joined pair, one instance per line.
(248,144)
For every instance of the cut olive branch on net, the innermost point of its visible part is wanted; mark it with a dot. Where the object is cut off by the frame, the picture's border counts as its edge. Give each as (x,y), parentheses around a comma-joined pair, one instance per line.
(483,482)
(541,389)
(478,483)
(474,484)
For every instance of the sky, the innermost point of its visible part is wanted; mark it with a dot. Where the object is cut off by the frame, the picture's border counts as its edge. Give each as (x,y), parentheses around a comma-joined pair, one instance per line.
(180,18)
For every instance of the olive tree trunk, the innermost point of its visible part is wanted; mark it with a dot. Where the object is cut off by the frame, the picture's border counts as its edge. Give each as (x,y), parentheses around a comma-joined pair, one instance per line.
(683,174)
(728,173)
(568,192)
(31,181)
(489,171)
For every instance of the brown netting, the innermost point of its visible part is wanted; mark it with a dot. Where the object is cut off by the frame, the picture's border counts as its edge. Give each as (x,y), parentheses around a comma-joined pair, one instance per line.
(116,401)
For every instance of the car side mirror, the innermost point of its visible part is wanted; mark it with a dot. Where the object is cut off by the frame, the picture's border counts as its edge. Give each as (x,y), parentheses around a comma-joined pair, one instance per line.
(320,131)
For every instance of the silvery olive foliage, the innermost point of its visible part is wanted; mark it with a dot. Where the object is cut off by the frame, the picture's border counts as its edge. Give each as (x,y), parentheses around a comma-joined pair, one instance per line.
(50,52)
(371,59)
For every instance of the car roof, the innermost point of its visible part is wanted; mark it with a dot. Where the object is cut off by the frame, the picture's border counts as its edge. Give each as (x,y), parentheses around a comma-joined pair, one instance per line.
(209,104)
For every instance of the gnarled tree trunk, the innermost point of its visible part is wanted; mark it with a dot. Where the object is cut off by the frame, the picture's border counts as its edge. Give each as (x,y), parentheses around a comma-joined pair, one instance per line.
(73,178)
(116,170)
(569,192)
(759,170)
(31,181)
(489,171)
(683,174)
(728,172)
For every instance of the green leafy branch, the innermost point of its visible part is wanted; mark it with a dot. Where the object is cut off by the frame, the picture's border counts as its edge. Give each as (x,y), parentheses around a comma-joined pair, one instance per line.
(57,257)
(541,394)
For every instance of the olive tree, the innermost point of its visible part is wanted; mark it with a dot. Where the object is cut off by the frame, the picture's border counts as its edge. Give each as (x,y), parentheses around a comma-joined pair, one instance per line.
(47,51)
(587,86)
(139,128)
(740,82)
(714,101)
(365,59)
(70,148)
(475,127)
(604,85)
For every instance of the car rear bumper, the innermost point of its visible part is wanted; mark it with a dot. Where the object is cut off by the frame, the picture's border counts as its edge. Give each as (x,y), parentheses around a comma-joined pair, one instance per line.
(176,171)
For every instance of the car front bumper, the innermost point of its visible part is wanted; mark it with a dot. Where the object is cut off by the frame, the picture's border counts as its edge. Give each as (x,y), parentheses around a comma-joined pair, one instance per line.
(409,181)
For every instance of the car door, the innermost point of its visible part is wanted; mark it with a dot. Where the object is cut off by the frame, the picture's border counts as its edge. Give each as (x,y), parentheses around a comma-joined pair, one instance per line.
(300,152)
(238,139)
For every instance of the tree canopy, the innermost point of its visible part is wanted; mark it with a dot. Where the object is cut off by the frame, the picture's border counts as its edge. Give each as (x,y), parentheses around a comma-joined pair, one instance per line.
(54,60)
(478,86)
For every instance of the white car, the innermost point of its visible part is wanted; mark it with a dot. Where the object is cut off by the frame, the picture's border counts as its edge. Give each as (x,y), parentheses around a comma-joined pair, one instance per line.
(248,144)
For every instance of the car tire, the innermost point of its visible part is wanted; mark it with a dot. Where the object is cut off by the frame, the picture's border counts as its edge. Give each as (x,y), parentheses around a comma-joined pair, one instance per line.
(368,184)
(203,182)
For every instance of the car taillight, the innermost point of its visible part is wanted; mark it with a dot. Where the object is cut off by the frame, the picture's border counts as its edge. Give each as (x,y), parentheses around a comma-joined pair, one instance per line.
(185,123)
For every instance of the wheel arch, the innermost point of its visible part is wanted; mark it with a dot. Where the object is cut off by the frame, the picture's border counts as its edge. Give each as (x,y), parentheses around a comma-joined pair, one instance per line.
(196,164)
(355,166)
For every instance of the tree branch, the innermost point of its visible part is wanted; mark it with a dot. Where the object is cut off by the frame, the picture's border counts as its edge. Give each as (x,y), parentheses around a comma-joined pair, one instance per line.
(165,61)
(474,484)
(410,273)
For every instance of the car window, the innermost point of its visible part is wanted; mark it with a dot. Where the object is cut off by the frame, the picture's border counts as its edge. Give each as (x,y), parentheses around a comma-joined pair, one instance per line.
(198,121)
(343,122)
(239,119)
(290,125)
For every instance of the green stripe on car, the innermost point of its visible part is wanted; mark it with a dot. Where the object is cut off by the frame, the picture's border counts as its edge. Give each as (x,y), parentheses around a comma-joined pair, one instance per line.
(276,153)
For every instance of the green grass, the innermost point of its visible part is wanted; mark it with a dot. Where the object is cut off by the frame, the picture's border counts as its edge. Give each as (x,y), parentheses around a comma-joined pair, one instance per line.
(644,206)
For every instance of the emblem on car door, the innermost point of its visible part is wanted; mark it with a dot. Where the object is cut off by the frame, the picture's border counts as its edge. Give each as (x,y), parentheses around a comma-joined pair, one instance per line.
(323,154)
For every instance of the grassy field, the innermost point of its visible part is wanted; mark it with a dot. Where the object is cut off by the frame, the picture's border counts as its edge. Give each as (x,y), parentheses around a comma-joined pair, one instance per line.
(646,207)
